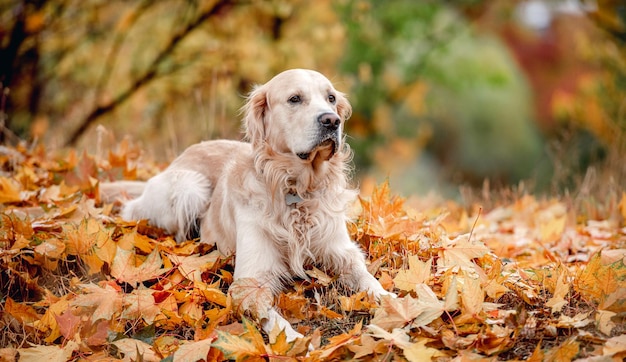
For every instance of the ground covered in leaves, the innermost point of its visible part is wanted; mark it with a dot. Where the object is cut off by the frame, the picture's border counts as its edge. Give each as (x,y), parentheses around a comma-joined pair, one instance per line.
(529,278)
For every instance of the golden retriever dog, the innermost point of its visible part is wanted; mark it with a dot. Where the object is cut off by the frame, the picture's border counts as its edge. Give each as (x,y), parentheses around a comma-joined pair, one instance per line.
(276,202)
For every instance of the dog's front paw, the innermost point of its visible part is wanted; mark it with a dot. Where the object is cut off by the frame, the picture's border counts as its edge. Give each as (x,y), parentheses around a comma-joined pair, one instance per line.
(382,293)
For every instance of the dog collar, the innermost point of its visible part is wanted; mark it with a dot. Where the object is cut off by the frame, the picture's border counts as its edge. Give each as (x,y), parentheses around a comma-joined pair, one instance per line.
(292,198)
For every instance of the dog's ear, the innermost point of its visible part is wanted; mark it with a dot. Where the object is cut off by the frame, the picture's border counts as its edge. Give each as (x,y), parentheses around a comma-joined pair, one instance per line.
(343,106)
(254,116)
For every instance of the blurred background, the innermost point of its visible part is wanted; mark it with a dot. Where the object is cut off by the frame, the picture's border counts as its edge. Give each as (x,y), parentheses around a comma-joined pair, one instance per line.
(445,93)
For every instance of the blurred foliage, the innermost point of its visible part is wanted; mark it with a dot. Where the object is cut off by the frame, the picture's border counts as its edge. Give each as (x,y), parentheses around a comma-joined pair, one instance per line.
(428,79)
(444,92)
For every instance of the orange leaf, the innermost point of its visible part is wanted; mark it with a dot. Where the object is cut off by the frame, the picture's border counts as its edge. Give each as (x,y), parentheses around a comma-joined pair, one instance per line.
(418,273)
(9,191)
(124,267)
(23,313)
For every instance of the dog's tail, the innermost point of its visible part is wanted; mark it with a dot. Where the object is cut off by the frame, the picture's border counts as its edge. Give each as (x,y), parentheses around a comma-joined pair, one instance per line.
(173,200)
(190,200)
(120,191)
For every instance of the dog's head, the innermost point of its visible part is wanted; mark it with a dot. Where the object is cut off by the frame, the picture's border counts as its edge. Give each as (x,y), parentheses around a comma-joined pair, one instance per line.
(297,112)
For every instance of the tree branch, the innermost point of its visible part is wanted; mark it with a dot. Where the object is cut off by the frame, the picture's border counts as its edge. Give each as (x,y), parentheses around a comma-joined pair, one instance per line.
(150,74)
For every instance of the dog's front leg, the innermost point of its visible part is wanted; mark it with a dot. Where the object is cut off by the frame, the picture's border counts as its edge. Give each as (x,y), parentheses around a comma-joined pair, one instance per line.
(257,278)
(349,262)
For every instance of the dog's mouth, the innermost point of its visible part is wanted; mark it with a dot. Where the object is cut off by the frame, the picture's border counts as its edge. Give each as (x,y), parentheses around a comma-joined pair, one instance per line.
(323,151)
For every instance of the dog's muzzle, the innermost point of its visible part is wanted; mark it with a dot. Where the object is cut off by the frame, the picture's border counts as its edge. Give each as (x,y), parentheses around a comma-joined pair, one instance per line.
(328,139)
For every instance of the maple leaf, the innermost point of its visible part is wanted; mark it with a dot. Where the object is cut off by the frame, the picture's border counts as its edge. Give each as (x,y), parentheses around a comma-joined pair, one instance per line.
(99,336)
(191,267)
(107,300)
(472,295)
(557,302)
(397,337)
(281,347)
(249,346)
(125,270)
(136,350)
(48,323)
(459,252)
(140,304)
(25,314)
(604,282)
(48,353)
(368,345)
(193,351)
(418,273)
(68,324)
(250,295)
(396,312)
(429,306)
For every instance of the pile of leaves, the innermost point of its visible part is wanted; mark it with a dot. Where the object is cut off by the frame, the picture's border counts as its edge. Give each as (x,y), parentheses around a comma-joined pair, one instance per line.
(527,279)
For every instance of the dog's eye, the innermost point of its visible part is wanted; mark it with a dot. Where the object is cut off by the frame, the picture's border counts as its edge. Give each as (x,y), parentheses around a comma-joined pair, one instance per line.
(295,99)
(332,99)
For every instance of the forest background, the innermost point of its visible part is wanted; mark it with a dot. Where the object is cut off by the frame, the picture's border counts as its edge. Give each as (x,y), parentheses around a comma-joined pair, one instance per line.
(445,93)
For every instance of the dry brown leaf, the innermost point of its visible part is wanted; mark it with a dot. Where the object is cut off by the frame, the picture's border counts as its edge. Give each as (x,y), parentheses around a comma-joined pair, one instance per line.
(124,267)
(103,300)
(396,312)
(48,353)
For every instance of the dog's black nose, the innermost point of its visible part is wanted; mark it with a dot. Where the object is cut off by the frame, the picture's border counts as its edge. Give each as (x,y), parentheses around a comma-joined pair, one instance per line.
(329,120)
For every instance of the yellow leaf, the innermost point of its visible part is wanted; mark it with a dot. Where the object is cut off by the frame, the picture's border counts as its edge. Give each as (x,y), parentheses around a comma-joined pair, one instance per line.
(136,350)
(193,351)
(557,302)
(249,346)
(419,272)
(397,337)
(604,283)
(48,353)
(418,351)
